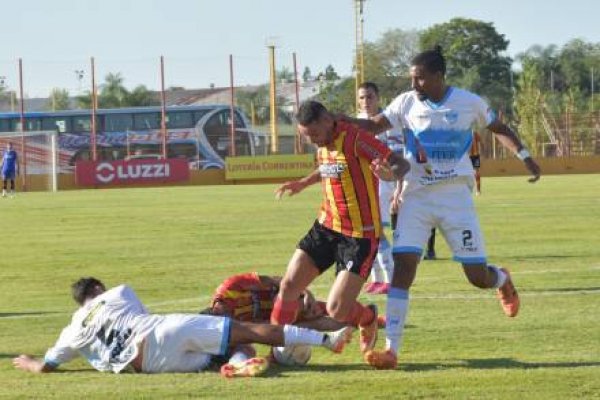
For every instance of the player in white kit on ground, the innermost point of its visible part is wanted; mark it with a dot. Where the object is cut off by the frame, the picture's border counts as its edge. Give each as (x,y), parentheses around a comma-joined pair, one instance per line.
(114,331)
(438,121)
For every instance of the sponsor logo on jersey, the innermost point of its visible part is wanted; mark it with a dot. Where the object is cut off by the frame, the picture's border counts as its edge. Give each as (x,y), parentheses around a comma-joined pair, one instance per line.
(92,313)
(332,170)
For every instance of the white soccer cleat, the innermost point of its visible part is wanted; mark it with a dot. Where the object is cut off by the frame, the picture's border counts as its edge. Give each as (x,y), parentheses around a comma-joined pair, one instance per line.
(4,193)
(337,340)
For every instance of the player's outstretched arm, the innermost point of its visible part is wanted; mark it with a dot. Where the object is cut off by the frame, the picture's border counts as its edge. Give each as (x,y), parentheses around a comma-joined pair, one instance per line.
(374,125)
(295,187)
(510,140)
(30,364)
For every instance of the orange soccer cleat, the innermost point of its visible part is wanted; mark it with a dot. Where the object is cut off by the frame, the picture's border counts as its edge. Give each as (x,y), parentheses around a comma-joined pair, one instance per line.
(509,298)
(368,333)
(252,367)
(381,359)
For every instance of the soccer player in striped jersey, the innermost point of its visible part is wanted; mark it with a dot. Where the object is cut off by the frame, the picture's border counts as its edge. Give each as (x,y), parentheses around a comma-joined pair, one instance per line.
(438,121)
(9,168)
(250,297)
(113,330)
(348,226)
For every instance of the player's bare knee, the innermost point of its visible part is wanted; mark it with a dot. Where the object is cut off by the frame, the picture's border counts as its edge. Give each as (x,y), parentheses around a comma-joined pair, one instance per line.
(288,289)
(337,310)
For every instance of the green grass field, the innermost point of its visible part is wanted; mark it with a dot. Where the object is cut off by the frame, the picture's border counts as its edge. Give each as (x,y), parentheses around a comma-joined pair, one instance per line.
(175,245)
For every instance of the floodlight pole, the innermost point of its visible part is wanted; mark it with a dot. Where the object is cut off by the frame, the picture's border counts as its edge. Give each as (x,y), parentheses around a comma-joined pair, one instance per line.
(23,128)
(273,101)
(231,109)
(163,108)
(298,147)
(94,109)
(359,53)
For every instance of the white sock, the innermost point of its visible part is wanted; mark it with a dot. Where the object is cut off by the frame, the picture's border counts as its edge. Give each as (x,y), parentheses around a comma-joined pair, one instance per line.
(296,335)
(500,276)
(386,259)
(377,272)
(396,310)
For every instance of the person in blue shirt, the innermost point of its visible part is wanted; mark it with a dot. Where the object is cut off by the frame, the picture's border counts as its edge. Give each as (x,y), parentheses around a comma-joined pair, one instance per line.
(10,168)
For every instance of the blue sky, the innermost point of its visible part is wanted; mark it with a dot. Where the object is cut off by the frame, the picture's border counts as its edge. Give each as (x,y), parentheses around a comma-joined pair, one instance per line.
(57,37)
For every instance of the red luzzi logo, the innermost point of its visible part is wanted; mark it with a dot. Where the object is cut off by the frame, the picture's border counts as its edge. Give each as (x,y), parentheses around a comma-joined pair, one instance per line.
(134,171)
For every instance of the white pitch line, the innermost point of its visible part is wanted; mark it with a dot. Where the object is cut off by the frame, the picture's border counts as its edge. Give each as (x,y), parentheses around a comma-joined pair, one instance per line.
(450,296)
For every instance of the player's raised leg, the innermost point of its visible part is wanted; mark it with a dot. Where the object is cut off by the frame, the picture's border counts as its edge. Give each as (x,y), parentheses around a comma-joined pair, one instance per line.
(300,273)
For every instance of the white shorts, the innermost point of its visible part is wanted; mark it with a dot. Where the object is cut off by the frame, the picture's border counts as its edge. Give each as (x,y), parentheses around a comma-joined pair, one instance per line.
(448,207)
(386,190)
(185,343)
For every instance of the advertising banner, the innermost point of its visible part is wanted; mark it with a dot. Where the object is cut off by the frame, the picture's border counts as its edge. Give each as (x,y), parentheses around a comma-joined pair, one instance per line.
(275,166)
(106,173)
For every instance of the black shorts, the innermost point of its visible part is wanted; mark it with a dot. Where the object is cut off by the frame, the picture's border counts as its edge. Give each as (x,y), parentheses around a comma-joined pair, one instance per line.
(325,247)
(476,161)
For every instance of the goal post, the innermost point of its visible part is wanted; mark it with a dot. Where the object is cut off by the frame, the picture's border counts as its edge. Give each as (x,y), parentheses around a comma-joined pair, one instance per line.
(37,153)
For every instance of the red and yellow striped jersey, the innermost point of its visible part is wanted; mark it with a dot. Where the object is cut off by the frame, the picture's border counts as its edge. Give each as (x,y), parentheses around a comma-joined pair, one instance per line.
(246,297)
(350,190)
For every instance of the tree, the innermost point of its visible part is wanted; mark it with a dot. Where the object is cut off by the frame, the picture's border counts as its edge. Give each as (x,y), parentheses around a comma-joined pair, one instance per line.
(140,96)
(59,100)
(387,61)
(306,75)
(473,51)
(330,74)
(113,94)
(528,106)
(285,75)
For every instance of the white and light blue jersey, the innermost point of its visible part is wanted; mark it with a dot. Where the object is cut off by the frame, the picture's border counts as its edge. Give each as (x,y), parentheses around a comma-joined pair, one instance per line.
(393,138)
(9,161)
(106,331)
(438,136)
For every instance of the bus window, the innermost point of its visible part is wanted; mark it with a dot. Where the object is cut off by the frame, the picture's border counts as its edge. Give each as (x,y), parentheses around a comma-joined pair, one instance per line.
(31,124)
(56,123)
(179,119)
(188,151)
(82,124)
(198,115)
(146,121)
(118,122)
(217,130)
(4,125)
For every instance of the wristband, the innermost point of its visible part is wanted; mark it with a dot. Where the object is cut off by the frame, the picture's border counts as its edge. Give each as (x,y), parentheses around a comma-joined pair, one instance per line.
(523,154)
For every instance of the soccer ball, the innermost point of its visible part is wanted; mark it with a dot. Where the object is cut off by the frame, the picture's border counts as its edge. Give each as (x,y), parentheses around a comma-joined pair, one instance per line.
(293,355)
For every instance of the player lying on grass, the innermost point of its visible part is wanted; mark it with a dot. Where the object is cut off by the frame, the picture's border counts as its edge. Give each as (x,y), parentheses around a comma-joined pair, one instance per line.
(113,330)
(250,297)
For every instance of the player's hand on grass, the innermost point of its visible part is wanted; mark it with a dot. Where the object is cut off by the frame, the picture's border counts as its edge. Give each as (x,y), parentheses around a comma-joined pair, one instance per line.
(27,363)
(533,168)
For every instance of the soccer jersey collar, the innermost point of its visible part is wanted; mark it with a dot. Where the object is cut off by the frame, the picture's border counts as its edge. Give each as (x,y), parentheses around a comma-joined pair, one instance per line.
(436,105)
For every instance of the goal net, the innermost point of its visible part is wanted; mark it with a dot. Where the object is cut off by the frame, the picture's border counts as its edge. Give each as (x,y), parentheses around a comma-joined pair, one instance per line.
(37,159)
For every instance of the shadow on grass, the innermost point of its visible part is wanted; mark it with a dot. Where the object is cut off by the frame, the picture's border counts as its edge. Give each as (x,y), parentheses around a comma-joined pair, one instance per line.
(494,363)
(25,314)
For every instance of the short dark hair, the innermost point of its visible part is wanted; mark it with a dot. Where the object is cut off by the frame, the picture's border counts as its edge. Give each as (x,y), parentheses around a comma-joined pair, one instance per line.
(369,85)
(83,288)
(309,111)
(433,60)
